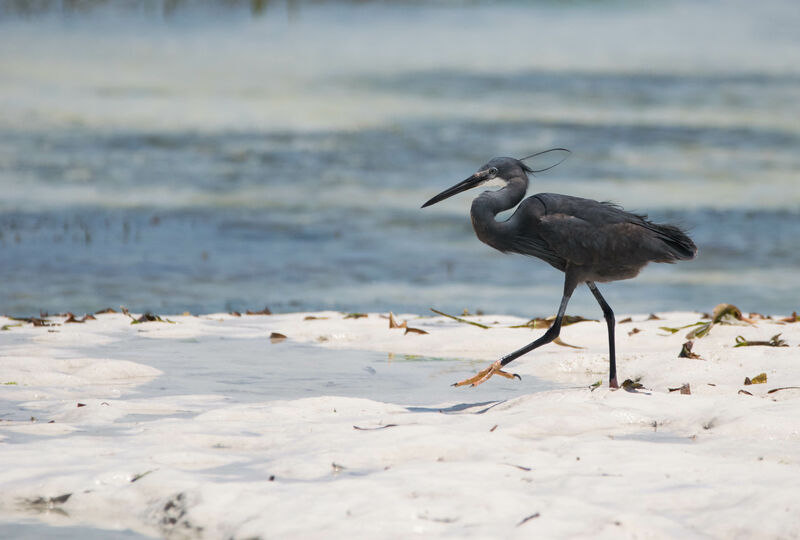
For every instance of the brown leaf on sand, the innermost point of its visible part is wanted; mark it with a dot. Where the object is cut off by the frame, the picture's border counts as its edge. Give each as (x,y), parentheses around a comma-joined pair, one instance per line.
(653,317)
(631,385)
(235,314)
(684,389)
(535,323)
(355,315)
(790,319)
(103,311)
(147,317)
(313,318)
(745,392)
(634,331)
(276,337)
(35,321)
(761,378)
(394,324)
(71,318)
(625,320)
(265,311)
(558,341)
(415,330)
(725,313)
(547,322)
(686,351)
(758,316)
(571,319)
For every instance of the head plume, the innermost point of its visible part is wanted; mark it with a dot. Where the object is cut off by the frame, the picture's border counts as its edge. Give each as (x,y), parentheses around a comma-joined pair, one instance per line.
(560,154)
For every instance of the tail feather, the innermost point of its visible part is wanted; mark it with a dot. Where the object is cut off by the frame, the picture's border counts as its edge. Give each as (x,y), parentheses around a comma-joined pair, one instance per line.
(678,244)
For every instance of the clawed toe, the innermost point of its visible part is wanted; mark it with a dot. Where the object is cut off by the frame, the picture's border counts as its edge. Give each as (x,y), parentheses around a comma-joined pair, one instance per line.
(474,381)
(486,374)
(507,375)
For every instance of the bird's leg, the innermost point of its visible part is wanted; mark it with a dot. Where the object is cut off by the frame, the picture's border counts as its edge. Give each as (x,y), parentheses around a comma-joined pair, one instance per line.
(609,316)
(551,334)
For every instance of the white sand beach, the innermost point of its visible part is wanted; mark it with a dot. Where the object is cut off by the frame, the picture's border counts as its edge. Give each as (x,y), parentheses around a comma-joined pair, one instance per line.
(90,436)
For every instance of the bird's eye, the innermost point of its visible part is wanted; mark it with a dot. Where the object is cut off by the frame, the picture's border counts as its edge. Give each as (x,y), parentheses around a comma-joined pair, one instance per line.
(493,171)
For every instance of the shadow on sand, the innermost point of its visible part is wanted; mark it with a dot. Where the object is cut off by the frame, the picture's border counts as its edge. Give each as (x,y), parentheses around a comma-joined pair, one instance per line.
(461,408)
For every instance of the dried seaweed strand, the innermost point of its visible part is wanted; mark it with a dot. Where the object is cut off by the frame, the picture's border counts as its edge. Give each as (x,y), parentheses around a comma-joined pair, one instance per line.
(774,341)
(783,388)
(459,319)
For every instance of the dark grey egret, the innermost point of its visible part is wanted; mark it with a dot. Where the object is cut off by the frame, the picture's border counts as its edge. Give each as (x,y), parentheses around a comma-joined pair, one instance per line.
(589,241)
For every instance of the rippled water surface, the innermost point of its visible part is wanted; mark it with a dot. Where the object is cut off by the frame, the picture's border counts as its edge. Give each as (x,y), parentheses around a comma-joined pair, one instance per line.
(214,159)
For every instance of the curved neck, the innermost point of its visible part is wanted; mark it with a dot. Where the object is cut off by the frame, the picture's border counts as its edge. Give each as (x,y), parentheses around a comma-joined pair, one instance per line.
(490,203)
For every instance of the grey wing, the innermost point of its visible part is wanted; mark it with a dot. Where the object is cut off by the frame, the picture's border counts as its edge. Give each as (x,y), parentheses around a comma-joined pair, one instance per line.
(604,236)
(619,231)
(578,229)
(525,234)
(539,248)
(582,243)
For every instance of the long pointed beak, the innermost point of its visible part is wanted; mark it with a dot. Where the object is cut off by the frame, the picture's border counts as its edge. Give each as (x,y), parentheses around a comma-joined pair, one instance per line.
(474,180)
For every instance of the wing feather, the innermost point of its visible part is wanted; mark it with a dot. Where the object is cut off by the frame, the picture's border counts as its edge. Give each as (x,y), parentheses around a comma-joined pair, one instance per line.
(607,241)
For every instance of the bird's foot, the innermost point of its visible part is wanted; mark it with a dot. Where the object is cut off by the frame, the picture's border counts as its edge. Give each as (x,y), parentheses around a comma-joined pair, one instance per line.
(486,374)
(613,383)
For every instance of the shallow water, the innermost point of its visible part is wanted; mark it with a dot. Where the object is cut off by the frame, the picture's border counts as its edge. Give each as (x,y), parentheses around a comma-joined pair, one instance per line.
(252,372)
(292,371)
(213,159)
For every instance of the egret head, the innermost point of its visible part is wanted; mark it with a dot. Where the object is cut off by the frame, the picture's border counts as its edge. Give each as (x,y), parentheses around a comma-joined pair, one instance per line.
(498,172)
